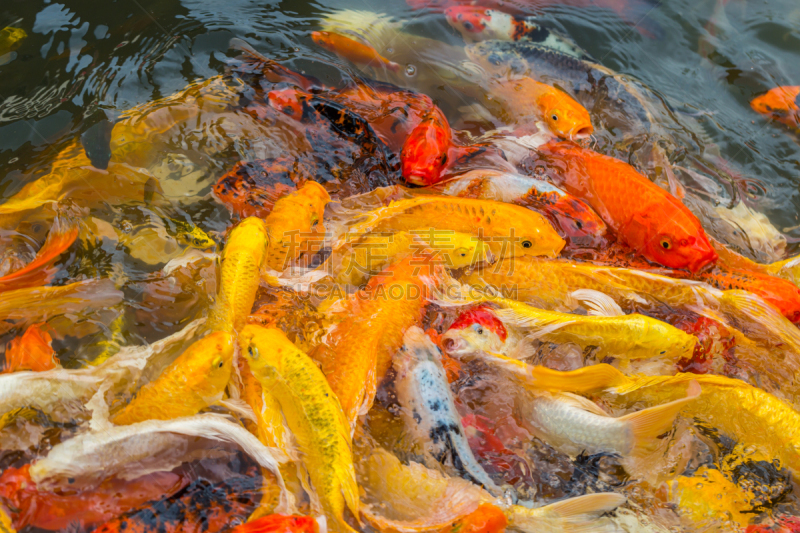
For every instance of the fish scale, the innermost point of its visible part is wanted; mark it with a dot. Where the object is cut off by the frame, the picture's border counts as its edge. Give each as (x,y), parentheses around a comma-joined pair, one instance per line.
(312,413)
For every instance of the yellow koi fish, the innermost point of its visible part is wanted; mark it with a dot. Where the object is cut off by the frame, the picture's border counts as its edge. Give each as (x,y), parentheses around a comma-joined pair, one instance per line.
(242,260)
(367,255)
(507,328)
(415,499)
(292,223)
(195,380)
(313,415)
(510,230)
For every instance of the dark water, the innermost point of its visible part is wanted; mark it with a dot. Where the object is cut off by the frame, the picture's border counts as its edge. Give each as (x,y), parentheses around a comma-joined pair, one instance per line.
(83,57)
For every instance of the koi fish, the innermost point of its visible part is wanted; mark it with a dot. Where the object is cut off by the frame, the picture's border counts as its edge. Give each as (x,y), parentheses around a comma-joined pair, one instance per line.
(506,330)
(354,264)
(575,425)
(195,380)
(572,215)
(508,229)
(31,351)
(782,294)
(279,524)
(352,50)
(708,495)
(425,500)
(643,215)
(428,409)
(55,511)
(192,235)
(127,452)
(358,351)
(518,100)
(242,259)
(748,414)
(62,234)
(60,392)
(780,103)
(202,506)
(312,413)
(476,23)
(10,39)
(291,222)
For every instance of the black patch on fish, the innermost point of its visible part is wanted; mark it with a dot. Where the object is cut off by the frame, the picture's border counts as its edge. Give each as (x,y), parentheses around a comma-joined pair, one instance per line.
(767,480)
(538,34)
(417,417)
(96,142)
(441,433)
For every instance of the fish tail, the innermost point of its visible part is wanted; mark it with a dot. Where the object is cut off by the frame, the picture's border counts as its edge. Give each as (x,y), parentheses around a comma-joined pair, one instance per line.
(471,466)
(575,515)
(648,424)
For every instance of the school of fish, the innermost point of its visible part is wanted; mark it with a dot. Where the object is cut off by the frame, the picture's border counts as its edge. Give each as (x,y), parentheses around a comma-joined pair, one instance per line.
(412,318)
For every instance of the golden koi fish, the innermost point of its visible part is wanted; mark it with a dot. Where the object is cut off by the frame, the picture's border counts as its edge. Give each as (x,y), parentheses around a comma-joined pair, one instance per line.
(242,260)
(195,380)
(510,230)
(292,222)
(313,415)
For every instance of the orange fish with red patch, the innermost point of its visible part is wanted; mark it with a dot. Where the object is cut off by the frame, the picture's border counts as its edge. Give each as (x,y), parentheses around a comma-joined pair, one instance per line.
(352,50)
(781,104)
(643,215)
(31,351)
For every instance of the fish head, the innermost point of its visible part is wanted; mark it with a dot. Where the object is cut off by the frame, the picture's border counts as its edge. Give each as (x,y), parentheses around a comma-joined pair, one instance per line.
(262,348)
(288,101)
(424,152)
(564,115)
(474,331)
(475,23)
(780,103)
(676,247)
(208,363)
(324,39)
(532,235)
(417,346)
(196,238)
(311,199)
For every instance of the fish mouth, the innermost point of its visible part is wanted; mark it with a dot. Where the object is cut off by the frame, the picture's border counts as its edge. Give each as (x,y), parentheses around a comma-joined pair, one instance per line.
(581,133)
(417,179)
(708,257)
(453,344)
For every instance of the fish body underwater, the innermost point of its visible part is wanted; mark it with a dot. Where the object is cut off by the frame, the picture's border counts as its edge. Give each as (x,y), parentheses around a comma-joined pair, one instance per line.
(428,409)
(780,103)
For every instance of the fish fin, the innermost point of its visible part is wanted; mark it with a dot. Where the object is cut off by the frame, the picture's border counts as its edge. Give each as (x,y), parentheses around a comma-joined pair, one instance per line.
(581,403)
(530,320)
(575,515)
(598,303)
(98,406)
(586,379)
(26,413)
(649,423)
(590,504)
(239,407)
(523,350)
(350,492)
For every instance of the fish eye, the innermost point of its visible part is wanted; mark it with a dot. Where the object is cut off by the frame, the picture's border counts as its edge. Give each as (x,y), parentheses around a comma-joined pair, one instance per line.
(197,241)
(218,362)
(468,26)
(554,117)
(478,329)
(253,353)
(666,244)
(527,244)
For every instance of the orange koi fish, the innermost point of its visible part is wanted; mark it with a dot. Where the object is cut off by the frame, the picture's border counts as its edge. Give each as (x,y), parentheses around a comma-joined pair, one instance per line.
(352,50)
(783,295)
(644,216)
(781,104)
(429,148)
(62,234)
(478,23)
(525,98)
(31,351)
(277,523)
(358,350)
(54,511)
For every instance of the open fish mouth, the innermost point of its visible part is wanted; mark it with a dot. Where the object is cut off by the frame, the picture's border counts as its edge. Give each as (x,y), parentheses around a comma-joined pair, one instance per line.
(581,133)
